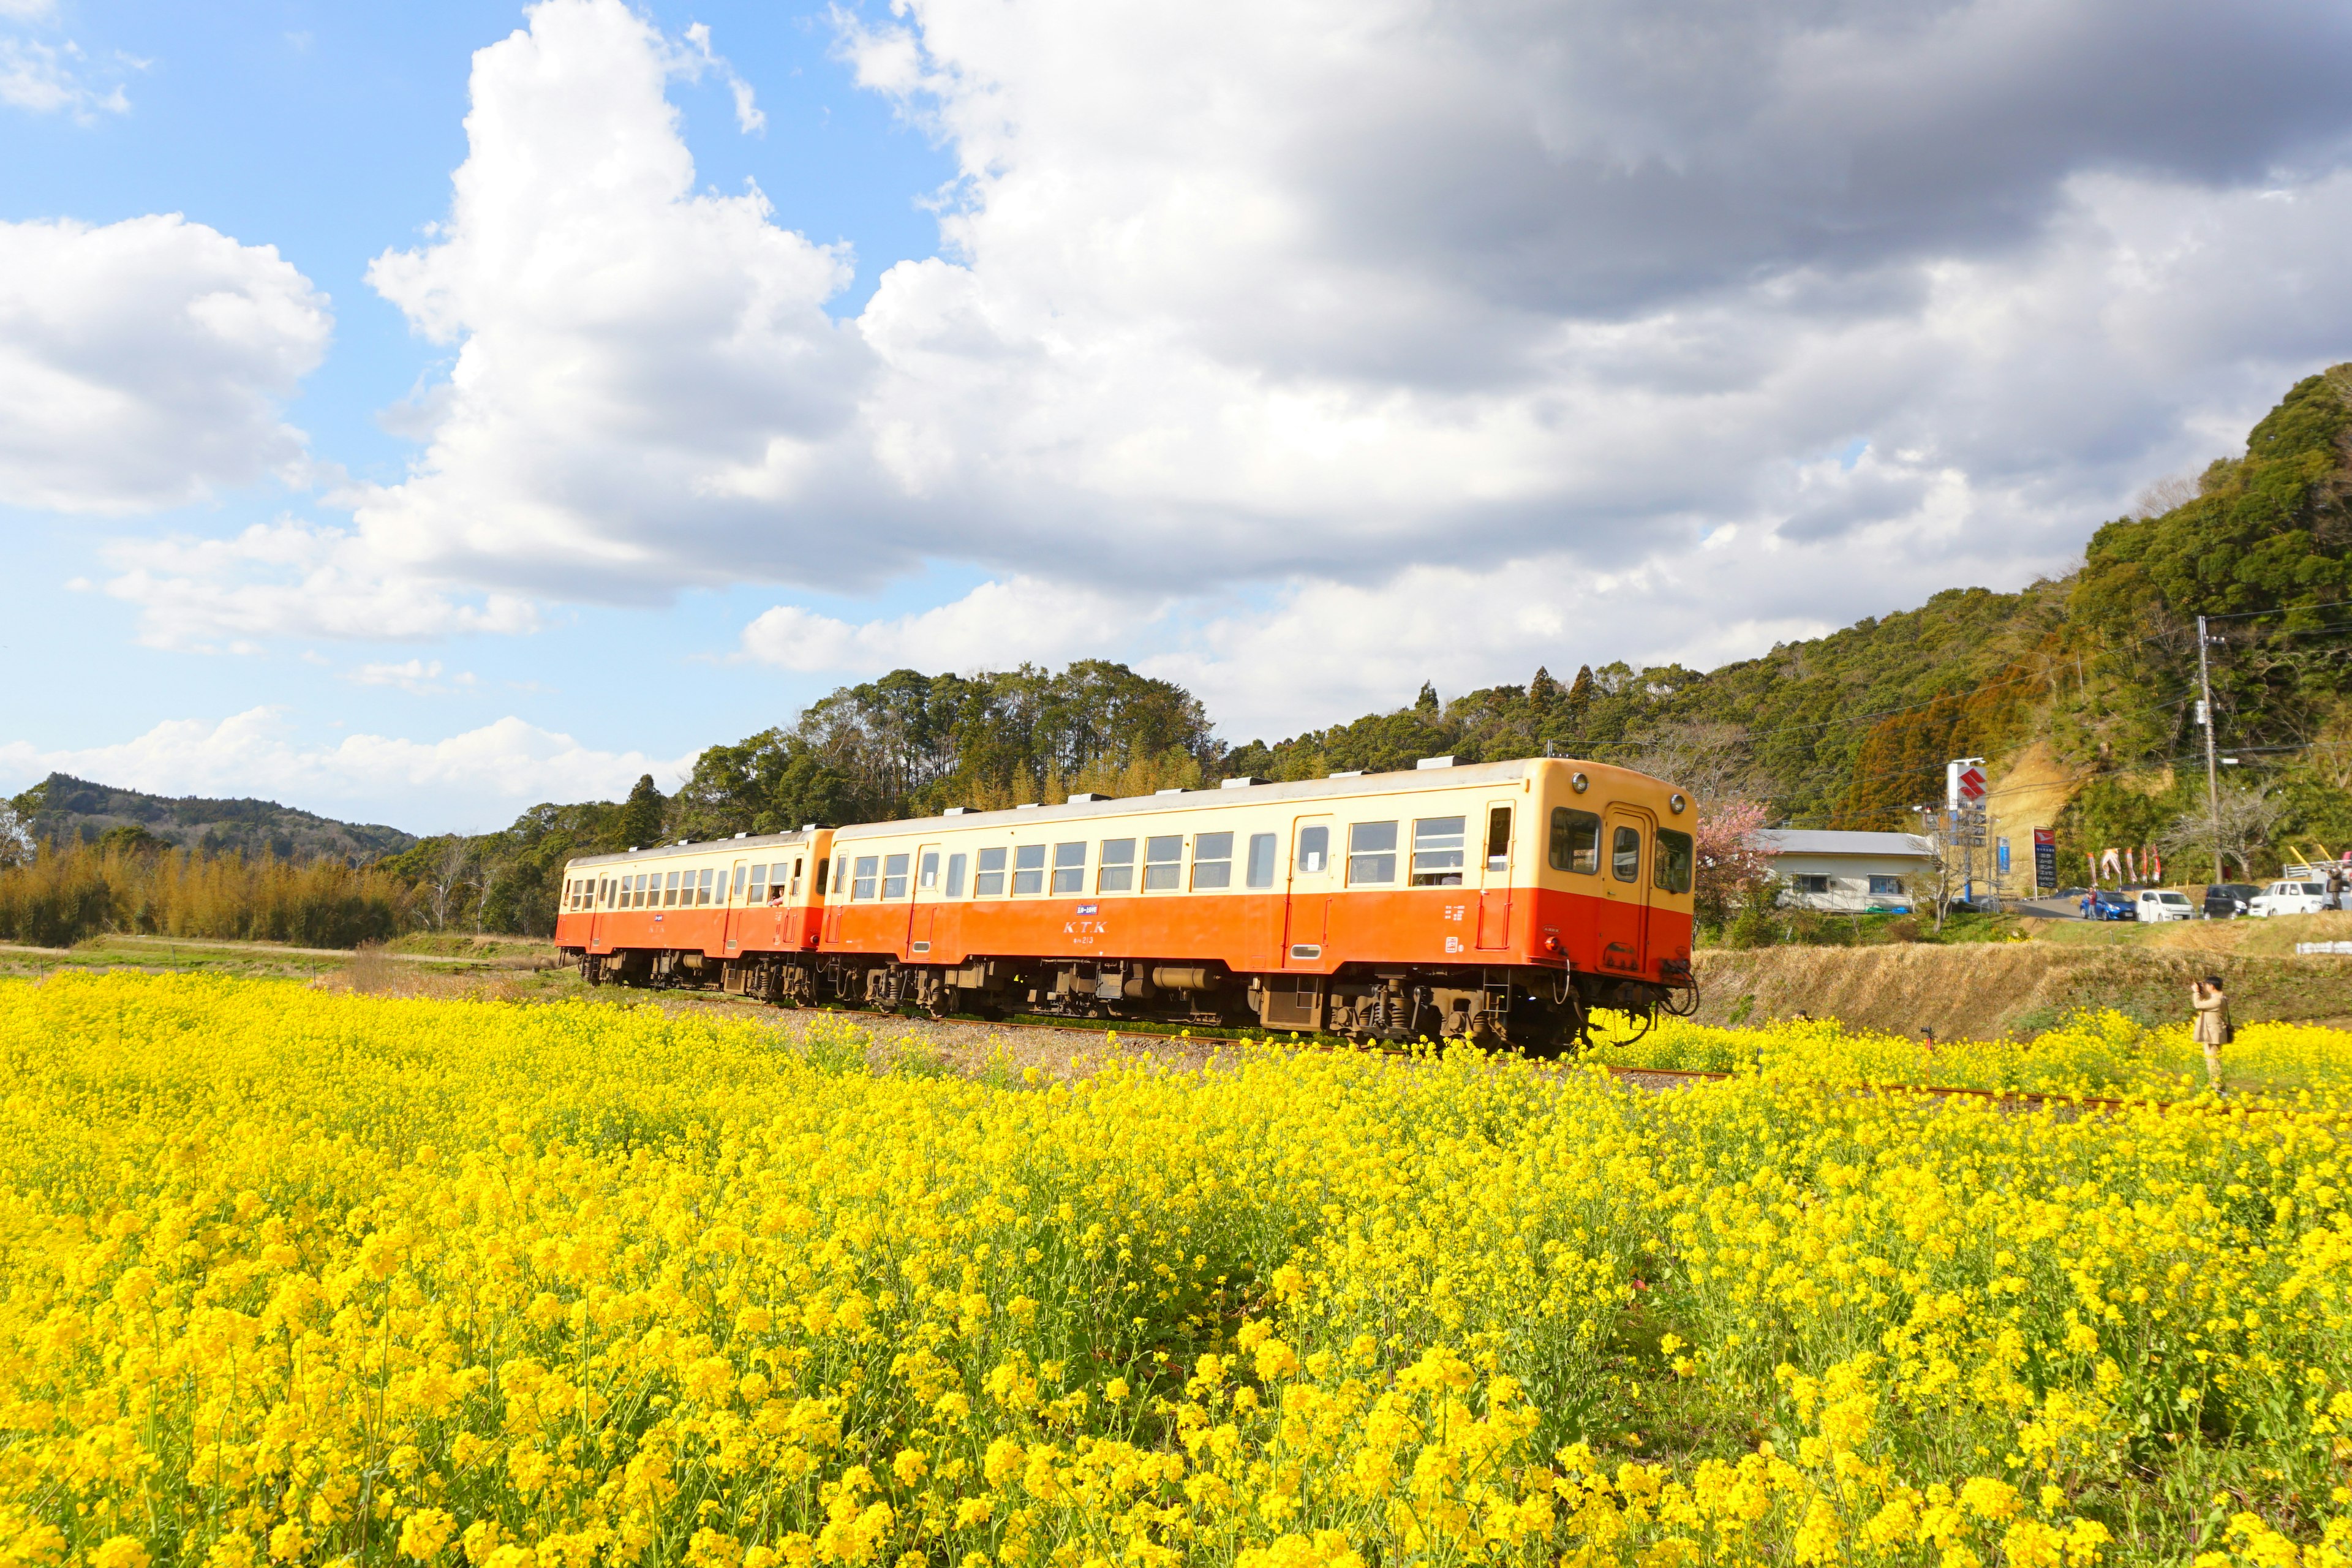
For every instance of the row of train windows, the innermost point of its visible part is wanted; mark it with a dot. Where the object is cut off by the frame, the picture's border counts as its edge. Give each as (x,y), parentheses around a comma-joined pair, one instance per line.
(1438,850)
(1023,869)
(770,882)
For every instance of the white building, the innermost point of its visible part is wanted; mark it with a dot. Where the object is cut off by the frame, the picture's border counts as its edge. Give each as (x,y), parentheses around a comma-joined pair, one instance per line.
(1852,872)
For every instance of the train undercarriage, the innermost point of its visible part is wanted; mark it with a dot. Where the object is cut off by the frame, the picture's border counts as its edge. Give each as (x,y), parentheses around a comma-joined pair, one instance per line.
(1541,1013)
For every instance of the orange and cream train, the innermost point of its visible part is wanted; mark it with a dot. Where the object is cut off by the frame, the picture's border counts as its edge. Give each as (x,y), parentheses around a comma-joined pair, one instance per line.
(1501,900)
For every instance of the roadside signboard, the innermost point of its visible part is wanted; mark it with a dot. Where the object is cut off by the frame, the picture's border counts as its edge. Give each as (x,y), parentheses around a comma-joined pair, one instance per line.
(2045,858)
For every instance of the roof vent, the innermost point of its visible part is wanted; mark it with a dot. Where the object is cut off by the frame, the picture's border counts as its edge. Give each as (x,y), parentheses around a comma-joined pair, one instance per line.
(1026,806)
(1348,773)
(1426,762)
(1083,797)
(684,842)
(742,836)
(632,849)
(1167,792)
(808,827)
(955,811)
(1240,784)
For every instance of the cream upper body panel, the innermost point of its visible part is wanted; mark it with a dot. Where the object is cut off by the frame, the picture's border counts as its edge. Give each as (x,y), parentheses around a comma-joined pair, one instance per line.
(715,862)
(1423,828)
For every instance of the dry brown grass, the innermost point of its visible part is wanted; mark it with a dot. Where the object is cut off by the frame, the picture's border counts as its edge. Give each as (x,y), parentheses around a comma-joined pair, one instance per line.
(1983,990)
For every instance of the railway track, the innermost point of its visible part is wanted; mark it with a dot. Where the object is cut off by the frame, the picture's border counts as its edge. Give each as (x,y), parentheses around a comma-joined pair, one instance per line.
(1649,1076)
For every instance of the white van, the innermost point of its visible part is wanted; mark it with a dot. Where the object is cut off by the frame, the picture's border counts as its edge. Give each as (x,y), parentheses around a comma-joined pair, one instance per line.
(2161,904)
(2289,899)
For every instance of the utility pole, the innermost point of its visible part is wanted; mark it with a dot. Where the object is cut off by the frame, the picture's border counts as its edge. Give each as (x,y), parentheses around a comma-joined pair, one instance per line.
(2213,772)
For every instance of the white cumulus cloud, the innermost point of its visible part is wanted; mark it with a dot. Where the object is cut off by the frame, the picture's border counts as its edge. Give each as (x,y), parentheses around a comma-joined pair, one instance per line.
(1287,342)
(145,364)
(994,626)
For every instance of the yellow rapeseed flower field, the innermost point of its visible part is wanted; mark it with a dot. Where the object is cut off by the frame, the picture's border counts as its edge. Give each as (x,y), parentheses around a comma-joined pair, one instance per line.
(295,1277)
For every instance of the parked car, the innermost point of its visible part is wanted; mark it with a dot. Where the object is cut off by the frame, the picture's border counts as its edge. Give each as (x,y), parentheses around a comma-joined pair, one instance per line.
(2112,906)
(2228,900)
(2288,899)
(2164,904)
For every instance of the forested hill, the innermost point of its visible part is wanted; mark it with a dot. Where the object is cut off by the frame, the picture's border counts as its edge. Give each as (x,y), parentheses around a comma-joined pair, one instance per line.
(63,808)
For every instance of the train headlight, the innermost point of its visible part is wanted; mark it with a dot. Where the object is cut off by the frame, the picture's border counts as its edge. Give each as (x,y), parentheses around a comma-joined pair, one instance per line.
(1676,803)
(1579,783)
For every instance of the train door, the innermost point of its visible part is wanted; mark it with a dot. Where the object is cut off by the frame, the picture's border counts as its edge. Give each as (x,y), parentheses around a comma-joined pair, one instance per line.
(1309,903)
(925,906)
(600,894)
(1494,871)
(1625,850)
(739,917)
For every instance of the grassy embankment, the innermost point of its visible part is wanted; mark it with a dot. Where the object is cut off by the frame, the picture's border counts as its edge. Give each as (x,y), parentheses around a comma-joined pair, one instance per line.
(1983,989)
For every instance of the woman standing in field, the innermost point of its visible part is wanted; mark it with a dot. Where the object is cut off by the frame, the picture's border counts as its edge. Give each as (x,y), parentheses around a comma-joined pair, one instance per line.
(2211,1010)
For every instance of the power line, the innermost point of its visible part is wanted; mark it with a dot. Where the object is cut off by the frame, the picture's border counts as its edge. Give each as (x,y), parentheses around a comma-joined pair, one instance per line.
(2288,610)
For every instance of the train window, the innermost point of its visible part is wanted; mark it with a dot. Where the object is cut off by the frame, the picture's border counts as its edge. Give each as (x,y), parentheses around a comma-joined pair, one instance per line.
(1625,855)
(710,888)
(1314,848)
(1498,838)
(1575,841)
(990,883)
(956,863)
(1028,868)
(670,892)
(823,866)
(862,880)
(1163,864)
(742,872)
(894,876)
(1213,861)
(928,881)
(1437,851)
(759,893)
(1261,860)
(1372,852)
(1673,869)
(1069,868)
(799,861)
(1117,874)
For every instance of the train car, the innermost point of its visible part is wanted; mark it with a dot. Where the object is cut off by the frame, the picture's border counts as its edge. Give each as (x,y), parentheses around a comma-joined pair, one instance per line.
(1502,902)
(743,913)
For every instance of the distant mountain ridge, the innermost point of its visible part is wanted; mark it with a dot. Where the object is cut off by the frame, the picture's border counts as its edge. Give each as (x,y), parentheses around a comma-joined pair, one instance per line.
(62,807)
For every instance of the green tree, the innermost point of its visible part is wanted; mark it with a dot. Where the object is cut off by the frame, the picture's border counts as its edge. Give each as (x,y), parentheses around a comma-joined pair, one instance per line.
(642,815)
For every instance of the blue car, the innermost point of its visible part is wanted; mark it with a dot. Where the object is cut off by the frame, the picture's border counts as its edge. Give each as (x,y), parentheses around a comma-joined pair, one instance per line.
(2102,905)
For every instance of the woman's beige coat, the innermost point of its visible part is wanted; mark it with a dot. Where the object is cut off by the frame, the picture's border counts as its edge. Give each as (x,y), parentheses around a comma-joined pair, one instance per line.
(2212,1016)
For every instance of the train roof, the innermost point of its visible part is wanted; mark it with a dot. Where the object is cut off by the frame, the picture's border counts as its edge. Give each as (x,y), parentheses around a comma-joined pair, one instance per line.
(694,847)
(1404,781)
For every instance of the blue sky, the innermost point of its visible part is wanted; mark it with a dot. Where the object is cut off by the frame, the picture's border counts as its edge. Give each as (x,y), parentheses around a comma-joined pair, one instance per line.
(330,131)
(1297,350)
